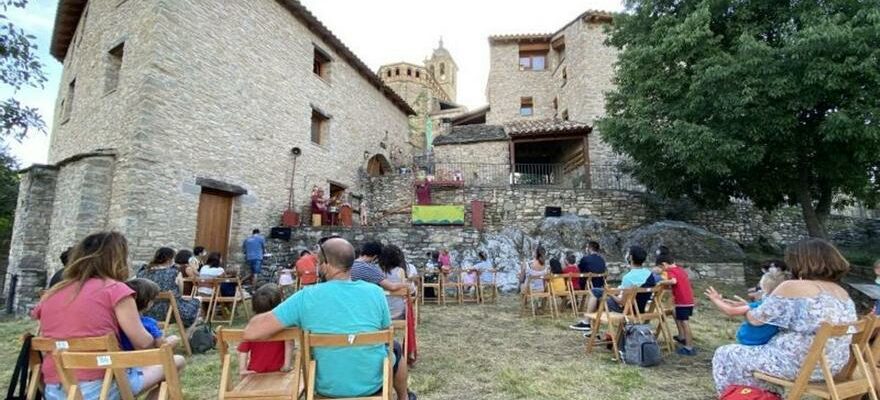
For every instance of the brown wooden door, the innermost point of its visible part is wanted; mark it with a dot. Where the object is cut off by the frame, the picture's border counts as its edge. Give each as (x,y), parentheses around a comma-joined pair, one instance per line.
(215,217)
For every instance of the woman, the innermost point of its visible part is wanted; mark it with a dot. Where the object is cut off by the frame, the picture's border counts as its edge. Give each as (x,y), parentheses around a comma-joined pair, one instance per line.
(536,270)
(93,300)
(797,307)
(162,271)
(188,267)
(390,261)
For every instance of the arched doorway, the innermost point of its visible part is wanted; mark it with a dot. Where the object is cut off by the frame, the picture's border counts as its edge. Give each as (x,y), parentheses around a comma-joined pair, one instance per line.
(378,165)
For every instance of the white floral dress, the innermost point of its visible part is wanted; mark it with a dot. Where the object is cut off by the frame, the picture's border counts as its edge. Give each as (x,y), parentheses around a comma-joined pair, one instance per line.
(798,319)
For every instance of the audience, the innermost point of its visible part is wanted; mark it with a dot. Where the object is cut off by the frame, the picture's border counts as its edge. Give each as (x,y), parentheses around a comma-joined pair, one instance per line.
(557,283)
(797,307)
(93,300)
(390,261)
(534,274)
(769,266)
(365,268)
(571,269)
(198,257)
(58,276)
(211,269)
(485,267)
(682,298)
(444,261)
(305,268)
(339,306)
(186,269)
(161,271)
(257,357)
(591,263)
(748,334)
(145,292)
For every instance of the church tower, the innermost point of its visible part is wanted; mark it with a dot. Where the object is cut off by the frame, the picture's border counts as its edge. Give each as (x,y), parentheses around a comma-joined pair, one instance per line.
(442,67)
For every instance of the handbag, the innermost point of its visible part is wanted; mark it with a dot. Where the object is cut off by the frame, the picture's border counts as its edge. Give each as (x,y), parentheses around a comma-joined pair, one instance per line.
(21,373)
(742,392)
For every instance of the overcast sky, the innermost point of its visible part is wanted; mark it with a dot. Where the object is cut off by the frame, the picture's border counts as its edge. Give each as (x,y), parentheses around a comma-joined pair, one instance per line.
(378,31)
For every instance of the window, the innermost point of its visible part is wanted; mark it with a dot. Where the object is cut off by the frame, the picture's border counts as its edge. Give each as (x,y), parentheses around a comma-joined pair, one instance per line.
(431,69)
(442,70)
(67,102)
(388,73)
(397,71)
(526,107)
(114,66)
(321,64)
(320,125)
(408,72)
(532,60)
(555,104)
(417,74)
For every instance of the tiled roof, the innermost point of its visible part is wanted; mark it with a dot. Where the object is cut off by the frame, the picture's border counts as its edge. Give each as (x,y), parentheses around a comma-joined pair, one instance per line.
(69,11)
(589,16)
(541,127)
(520,36)
(472,134)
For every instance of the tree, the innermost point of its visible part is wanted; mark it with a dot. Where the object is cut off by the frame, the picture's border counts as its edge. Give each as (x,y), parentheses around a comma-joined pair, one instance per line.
(776,102)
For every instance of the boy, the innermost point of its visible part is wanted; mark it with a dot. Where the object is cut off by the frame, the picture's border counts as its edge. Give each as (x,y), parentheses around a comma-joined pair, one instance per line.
(260,357)
(748,334)
(683,298)
(145,292)
(572,268)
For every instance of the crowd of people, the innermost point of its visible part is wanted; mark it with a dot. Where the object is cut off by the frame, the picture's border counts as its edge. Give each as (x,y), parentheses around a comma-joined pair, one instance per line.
(93,296)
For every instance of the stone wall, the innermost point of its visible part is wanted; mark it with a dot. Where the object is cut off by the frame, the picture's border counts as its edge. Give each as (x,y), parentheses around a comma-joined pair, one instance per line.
(507,85)
(496,153)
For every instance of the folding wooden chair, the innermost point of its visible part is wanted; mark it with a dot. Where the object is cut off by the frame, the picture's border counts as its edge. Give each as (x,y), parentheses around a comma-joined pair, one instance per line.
(613,320)
(529,296)
(68,361)
(491,285)
(208,300)
(174,311)
(270,385)
(855,380)
(655,310)
(436,286)
(43,347)
(563,295)
(446,283)
(236,299)
(469,287)
(385,337)
(400,325)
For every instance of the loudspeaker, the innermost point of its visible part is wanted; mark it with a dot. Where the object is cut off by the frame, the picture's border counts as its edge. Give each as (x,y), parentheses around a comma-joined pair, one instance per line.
(280,232)
(553,211)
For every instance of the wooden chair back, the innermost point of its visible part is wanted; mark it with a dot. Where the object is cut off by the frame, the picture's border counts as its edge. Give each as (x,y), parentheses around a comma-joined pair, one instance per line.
(436,286)
(565,294)
(491,285)
(529,295)
(273,385)
(447,283)
(236,299)
(174,312)
(614,320)
(43,347)
(855,379)
(69,361)
(401,325)
(384,337)
(466,287)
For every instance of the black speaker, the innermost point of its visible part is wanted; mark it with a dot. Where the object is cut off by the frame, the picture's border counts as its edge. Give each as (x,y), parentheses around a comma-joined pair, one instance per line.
(280,232)
(553,211)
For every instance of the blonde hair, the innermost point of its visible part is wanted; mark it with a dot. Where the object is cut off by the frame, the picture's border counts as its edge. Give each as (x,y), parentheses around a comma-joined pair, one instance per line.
(102,255)
(772,279)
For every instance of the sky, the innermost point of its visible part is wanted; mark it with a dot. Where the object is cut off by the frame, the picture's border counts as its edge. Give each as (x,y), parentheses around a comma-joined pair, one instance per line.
(377,31)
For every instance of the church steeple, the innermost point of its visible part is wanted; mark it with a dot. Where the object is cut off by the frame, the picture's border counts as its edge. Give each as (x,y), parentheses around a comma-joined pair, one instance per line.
(442,66)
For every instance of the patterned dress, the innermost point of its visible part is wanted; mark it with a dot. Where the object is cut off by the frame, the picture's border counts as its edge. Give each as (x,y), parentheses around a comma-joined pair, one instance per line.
(166,278)
(798,319)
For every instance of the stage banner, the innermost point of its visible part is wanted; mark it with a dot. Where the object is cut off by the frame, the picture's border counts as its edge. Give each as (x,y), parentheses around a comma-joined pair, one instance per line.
(438,215)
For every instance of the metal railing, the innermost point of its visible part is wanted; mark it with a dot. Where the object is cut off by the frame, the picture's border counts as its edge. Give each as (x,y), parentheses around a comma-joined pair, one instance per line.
(521,174)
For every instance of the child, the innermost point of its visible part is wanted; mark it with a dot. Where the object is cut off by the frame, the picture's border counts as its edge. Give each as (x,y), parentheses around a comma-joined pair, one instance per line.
(769,266)
(748,334)
(264,356)
(145,292)
(211,269)
(572,268)
(306,268)
(683,298)
(557,285)
(285,279)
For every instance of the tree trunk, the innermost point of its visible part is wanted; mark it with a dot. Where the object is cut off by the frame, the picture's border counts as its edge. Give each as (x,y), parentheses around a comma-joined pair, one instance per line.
(814,220)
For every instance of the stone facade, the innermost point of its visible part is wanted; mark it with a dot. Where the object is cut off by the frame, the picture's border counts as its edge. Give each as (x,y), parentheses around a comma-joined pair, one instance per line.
(195,101)
(492,153)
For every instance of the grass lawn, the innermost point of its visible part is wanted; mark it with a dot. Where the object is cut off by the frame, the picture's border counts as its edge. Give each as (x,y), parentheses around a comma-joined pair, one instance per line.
(490,352)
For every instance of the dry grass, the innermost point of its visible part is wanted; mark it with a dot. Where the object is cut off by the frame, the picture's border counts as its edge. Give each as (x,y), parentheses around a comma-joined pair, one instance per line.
(490,352)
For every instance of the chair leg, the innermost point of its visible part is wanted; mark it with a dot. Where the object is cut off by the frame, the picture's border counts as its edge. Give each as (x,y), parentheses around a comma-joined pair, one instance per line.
(592,341)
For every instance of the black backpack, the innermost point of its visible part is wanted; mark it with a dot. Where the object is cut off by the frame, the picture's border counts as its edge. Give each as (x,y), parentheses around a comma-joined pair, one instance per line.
(202,338)
(21,373)
(639,346)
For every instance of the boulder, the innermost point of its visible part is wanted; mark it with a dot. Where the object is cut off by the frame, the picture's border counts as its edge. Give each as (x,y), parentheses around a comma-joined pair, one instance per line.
(687,242)
(570,233)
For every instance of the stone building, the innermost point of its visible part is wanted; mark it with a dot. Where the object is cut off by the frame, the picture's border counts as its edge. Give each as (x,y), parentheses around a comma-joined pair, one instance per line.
(430,89)
(175,123)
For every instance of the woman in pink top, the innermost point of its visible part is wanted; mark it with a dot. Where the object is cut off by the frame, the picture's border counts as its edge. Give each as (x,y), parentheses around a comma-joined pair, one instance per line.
(93,300)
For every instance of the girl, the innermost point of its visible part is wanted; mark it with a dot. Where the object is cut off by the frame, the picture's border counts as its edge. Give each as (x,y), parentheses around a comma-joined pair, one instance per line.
(536,271)
(557,284)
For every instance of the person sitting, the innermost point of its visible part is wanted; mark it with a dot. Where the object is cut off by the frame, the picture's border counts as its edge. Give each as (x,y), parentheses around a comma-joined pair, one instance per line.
(571,269)
(257,357)
(767,266)
(305,268)
(485,268)
(211,269)
(339,306)
(748,334)
(365,268)
(557,284)
(536,271)
(798,307)
(592,263)
(93,300)
(58,276)
(638,276)
(390,261)
(145,292)
(161,271)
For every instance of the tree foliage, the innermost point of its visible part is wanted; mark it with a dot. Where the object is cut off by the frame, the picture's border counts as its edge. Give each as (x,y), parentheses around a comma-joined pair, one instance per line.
(777,102)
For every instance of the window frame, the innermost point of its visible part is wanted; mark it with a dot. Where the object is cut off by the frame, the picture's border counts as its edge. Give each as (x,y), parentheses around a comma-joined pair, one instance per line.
(113,71)
(321,63)
(526,103)
(531,56)
(322,120)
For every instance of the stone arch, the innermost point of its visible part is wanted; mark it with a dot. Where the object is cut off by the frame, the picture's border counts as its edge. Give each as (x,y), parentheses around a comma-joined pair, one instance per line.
(378,165)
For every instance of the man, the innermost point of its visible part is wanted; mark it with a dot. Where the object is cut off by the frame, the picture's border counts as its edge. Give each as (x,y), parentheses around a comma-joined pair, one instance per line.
(305,268)
(58,276)
(639,276)
(338,306)
(253,249)
(365,268)
(592,263)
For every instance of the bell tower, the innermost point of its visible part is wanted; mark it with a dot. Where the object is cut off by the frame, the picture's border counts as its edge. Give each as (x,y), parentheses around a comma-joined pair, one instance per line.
(442,67)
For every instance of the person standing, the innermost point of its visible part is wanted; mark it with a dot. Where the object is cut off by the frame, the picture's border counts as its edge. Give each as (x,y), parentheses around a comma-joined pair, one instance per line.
(253,248)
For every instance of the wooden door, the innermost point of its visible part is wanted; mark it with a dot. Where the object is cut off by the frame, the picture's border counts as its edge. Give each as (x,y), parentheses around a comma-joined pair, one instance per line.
(214,220)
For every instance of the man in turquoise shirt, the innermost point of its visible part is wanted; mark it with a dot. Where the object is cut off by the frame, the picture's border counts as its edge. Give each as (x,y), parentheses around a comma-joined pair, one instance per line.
(638,277)
(338,306)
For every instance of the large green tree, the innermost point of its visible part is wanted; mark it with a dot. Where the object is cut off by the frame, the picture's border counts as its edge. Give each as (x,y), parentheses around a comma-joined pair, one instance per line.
(777,102)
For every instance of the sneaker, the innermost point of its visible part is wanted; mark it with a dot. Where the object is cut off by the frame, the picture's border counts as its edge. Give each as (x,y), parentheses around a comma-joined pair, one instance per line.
(580,326)
(587,333)
(684,351)
(410,395)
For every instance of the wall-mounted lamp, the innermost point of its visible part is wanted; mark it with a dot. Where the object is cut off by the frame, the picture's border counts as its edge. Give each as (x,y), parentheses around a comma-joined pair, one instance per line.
(366,154)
